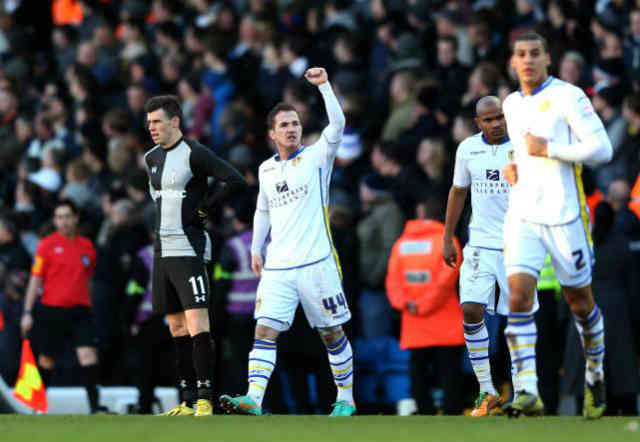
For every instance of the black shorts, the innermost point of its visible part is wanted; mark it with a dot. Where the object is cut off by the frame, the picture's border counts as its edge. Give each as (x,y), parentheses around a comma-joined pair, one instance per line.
(179,284)
(57,327)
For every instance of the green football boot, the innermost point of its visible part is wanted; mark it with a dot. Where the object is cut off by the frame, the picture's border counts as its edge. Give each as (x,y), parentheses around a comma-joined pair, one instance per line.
(343,408)
(240,405)
(527,404)
(594,400)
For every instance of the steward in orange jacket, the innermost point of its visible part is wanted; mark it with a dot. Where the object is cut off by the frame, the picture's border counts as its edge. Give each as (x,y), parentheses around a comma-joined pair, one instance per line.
(423,287)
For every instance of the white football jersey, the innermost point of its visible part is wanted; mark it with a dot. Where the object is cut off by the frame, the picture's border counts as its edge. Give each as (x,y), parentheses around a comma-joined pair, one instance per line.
(479,166)
(295,193)
(549,191)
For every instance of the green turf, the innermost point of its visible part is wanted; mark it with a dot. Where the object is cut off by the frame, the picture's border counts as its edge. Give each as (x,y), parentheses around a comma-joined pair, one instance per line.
(313,428)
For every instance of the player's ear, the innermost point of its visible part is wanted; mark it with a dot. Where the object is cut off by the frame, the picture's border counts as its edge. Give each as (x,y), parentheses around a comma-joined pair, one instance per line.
(272,135)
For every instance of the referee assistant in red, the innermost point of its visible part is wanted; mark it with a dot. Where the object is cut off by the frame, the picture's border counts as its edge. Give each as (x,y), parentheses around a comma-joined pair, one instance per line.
(62,271)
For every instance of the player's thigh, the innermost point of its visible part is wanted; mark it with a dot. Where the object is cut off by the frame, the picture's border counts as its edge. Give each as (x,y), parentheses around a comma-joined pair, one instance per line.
(322,296)
(571,253)
(524,247)
(477,280)
(503,296)
(277,299)
(189,277)
(84,333)
(164,297)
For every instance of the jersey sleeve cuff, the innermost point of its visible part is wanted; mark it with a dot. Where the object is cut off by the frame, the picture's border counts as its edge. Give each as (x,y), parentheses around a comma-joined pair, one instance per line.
(325,87)
(552,149)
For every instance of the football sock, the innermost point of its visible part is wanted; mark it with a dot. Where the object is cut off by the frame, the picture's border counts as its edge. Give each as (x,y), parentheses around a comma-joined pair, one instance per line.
(203,360)
(184,367)
(341,363)
(515,381)
(262,361)
(521,334)
(91,374)
(476,336)
(591,331)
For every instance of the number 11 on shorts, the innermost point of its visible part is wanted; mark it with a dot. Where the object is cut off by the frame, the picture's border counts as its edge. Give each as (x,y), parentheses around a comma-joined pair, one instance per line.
(198,283)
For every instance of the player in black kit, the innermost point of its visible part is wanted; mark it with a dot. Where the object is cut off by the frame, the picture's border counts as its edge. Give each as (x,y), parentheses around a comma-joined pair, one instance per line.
(178,171)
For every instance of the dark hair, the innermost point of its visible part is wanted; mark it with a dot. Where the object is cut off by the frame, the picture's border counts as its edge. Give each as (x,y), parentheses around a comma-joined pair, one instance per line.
(280,107)
(169,103)
(68,203)
(434,205)
(632,101)
(533,36)
(449,39)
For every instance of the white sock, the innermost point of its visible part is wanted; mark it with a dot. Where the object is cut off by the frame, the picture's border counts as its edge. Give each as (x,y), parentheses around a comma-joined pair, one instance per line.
(262,361)
(341,363)
(515,381)
(591,332)
(522,334)
(476,336)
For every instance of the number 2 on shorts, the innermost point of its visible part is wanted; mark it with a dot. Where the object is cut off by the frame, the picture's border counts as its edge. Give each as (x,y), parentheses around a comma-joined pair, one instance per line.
(579,259)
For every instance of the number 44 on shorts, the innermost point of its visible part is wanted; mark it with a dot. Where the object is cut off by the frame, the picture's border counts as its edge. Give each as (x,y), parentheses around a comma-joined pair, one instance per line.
(333,302)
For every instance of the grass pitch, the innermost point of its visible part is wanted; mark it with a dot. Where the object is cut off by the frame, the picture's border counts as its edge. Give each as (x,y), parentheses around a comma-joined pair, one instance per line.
(313,428)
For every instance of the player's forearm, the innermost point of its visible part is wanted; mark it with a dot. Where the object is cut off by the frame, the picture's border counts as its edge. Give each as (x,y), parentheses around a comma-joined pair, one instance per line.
(593,151)
(334,112)
(32,293)
(261,226)
(455,206)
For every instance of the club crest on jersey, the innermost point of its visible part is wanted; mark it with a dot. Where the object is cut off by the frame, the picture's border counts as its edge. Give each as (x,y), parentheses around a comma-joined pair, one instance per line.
(493,175)
(86,261)
(282,186)
(544,106)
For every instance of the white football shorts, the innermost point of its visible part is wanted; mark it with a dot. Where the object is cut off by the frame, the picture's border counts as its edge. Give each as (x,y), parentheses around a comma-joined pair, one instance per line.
(318,287)
(482,271)
(527,244)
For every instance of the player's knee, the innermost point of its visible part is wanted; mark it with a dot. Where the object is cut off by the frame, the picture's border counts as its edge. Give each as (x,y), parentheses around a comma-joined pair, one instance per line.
(197,321)
(177,324)
(46,362)
(266,333)
(331,335)
(472,313)
(580,300)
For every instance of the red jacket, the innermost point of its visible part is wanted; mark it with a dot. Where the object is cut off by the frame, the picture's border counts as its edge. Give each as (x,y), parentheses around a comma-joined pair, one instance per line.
(417,272)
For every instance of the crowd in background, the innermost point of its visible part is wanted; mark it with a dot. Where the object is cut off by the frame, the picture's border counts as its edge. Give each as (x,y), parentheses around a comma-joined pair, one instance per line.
(73,83)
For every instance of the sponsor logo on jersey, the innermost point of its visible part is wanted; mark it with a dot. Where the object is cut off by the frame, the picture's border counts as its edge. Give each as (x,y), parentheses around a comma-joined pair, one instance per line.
(269,169)
(282,186)
(154,169)
(493,175)
(169,194)
(476,152)
(286,196)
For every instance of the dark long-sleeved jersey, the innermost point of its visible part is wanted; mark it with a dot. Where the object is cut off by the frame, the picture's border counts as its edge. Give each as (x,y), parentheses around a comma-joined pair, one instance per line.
(178,185)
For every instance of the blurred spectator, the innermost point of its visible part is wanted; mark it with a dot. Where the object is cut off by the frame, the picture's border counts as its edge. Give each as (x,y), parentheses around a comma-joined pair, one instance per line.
(236,287)
(572,68)
(377,230)
(625,222)
(422,287)
(402,95)
(606,102)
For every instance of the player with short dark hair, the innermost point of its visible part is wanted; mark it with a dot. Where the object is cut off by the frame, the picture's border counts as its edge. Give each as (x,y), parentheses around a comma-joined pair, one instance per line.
(554,130)
(62,270)
(178,172)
